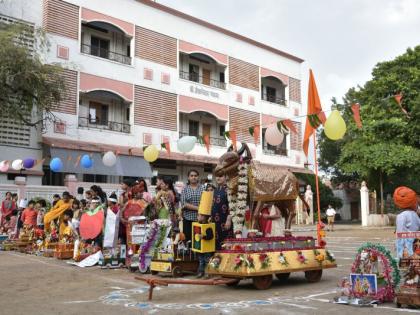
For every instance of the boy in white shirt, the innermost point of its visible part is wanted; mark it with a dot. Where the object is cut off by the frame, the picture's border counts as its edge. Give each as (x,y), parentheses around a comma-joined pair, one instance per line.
(330,217)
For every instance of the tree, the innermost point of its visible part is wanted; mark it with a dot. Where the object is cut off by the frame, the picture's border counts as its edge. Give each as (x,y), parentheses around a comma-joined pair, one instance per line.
(29,88)
(388,145)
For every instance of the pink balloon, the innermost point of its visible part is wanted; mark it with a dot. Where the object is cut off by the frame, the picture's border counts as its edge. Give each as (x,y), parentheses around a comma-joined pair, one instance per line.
(4,166)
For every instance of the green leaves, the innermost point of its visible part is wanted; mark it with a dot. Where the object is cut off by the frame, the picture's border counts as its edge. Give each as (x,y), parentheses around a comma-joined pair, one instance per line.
(29,89)
(389,142)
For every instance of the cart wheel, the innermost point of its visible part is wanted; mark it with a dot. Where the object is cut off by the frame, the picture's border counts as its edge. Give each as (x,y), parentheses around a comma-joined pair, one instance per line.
(233,284)
(177,272)
(154,272)
(313,275)
(283,277)
(262,282)
(132,269)
(398,305)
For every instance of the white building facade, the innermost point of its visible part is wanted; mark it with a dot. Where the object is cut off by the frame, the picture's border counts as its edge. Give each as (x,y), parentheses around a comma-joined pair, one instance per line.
(140,73)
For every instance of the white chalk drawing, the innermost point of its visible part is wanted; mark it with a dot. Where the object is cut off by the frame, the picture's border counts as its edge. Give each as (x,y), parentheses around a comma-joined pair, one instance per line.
(127,298)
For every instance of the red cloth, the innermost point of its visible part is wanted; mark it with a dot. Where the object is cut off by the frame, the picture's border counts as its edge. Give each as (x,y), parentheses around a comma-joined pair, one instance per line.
(134,208)
(265,224)
(405,198)
(115,209)
(6,211)
(29,216)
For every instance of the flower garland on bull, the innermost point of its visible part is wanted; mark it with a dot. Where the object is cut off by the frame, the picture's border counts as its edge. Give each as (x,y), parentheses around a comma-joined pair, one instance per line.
(238,202)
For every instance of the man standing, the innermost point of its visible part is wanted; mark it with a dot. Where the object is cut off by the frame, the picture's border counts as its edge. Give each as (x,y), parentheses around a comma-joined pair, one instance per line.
(330,217)
(190,199)
(407,220)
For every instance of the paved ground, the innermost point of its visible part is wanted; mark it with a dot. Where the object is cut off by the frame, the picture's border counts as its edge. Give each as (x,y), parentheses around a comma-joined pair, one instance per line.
(38,285)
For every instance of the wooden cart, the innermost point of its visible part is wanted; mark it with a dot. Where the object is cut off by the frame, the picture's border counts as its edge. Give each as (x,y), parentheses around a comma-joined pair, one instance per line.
(176,263)
(261,259)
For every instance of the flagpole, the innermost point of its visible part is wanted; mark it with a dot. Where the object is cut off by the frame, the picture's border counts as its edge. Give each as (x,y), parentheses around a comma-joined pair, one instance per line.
(318,229)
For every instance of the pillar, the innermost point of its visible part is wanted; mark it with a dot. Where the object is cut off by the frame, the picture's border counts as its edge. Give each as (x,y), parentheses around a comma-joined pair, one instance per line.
(20,182)
(309,198)
(71,182)
(364,203)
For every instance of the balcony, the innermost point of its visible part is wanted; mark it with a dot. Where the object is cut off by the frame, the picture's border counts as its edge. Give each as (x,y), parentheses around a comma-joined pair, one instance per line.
(88,122)
(202,80)
(104,53)
(273,99)
(216,141)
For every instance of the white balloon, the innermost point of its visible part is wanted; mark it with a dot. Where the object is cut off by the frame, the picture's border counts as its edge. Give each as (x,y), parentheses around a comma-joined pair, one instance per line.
(273,135)
(186,144)
(17,165)
(109,159)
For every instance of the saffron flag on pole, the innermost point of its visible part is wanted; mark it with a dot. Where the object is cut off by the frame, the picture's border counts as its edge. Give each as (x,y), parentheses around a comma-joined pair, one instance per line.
(314,108)
(356,114)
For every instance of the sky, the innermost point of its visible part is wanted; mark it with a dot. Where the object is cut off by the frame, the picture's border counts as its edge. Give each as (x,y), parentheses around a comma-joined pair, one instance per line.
(341,41)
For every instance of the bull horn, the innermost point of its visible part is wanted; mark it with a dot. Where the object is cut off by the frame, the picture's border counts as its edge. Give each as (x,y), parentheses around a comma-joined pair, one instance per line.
(244,147)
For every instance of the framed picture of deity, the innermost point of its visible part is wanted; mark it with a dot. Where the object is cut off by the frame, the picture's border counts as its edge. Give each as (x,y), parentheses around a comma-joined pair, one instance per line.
(363,284)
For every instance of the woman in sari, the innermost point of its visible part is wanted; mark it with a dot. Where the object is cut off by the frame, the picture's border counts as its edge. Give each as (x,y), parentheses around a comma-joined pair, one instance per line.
(135,206)
(7,207)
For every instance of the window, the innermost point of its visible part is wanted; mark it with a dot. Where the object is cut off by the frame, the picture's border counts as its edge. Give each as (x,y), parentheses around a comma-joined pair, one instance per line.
(222,77)
(222,131)
(99,47)
(280,149)
(128,50)
(193,128)
(271,94)
(127,114)
(94,178)
(194,72)
(98,113)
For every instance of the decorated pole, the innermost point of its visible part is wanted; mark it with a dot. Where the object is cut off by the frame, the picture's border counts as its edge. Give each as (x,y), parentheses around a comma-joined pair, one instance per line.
(318,203)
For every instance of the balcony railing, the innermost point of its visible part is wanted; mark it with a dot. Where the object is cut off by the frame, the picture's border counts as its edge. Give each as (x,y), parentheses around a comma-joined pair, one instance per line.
(103,124)
(191,76)
(104,53)
(219,142)
(273,99)
(271,150)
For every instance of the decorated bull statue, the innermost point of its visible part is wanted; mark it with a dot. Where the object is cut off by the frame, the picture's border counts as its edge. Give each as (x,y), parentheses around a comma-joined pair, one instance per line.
(252,184)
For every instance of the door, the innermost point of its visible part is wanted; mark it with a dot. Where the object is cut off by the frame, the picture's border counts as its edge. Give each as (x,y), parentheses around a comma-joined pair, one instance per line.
(354,209)
(206,130)
(206,77)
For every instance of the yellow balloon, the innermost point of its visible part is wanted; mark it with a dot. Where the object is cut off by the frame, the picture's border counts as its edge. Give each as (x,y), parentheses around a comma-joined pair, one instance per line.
(335,126)
(151,153)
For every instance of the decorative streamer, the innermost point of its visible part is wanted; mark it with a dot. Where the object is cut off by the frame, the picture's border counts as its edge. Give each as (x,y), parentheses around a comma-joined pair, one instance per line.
(398,99)
(206,139)
(356,114)
(77,160)
(289,124)
(165,145)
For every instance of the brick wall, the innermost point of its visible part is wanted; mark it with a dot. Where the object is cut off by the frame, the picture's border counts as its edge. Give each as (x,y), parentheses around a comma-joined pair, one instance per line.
(294,90)
(244,74)
(296,139)
(240,120)
(69,103)
(61,18)
(156,47)
(154,108)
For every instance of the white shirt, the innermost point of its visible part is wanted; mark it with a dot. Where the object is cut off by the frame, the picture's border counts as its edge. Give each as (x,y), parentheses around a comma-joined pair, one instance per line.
(330,212)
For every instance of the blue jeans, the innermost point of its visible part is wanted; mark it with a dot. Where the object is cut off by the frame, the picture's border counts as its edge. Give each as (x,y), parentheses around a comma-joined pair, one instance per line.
(203,259)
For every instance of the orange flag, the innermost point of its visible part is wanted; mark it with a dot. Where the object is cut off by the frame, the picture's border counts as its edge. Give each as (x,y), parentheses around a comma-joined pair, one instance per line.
(206,139)
(355,108)
(289,124)
(398,98)
(314,108)
(167,147)
(256,134)
(232,135)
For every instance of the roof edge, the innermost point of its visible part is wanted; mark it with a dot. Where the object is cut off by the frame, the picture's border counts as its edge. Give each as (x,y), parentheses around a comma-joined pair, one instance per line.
(193,19)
